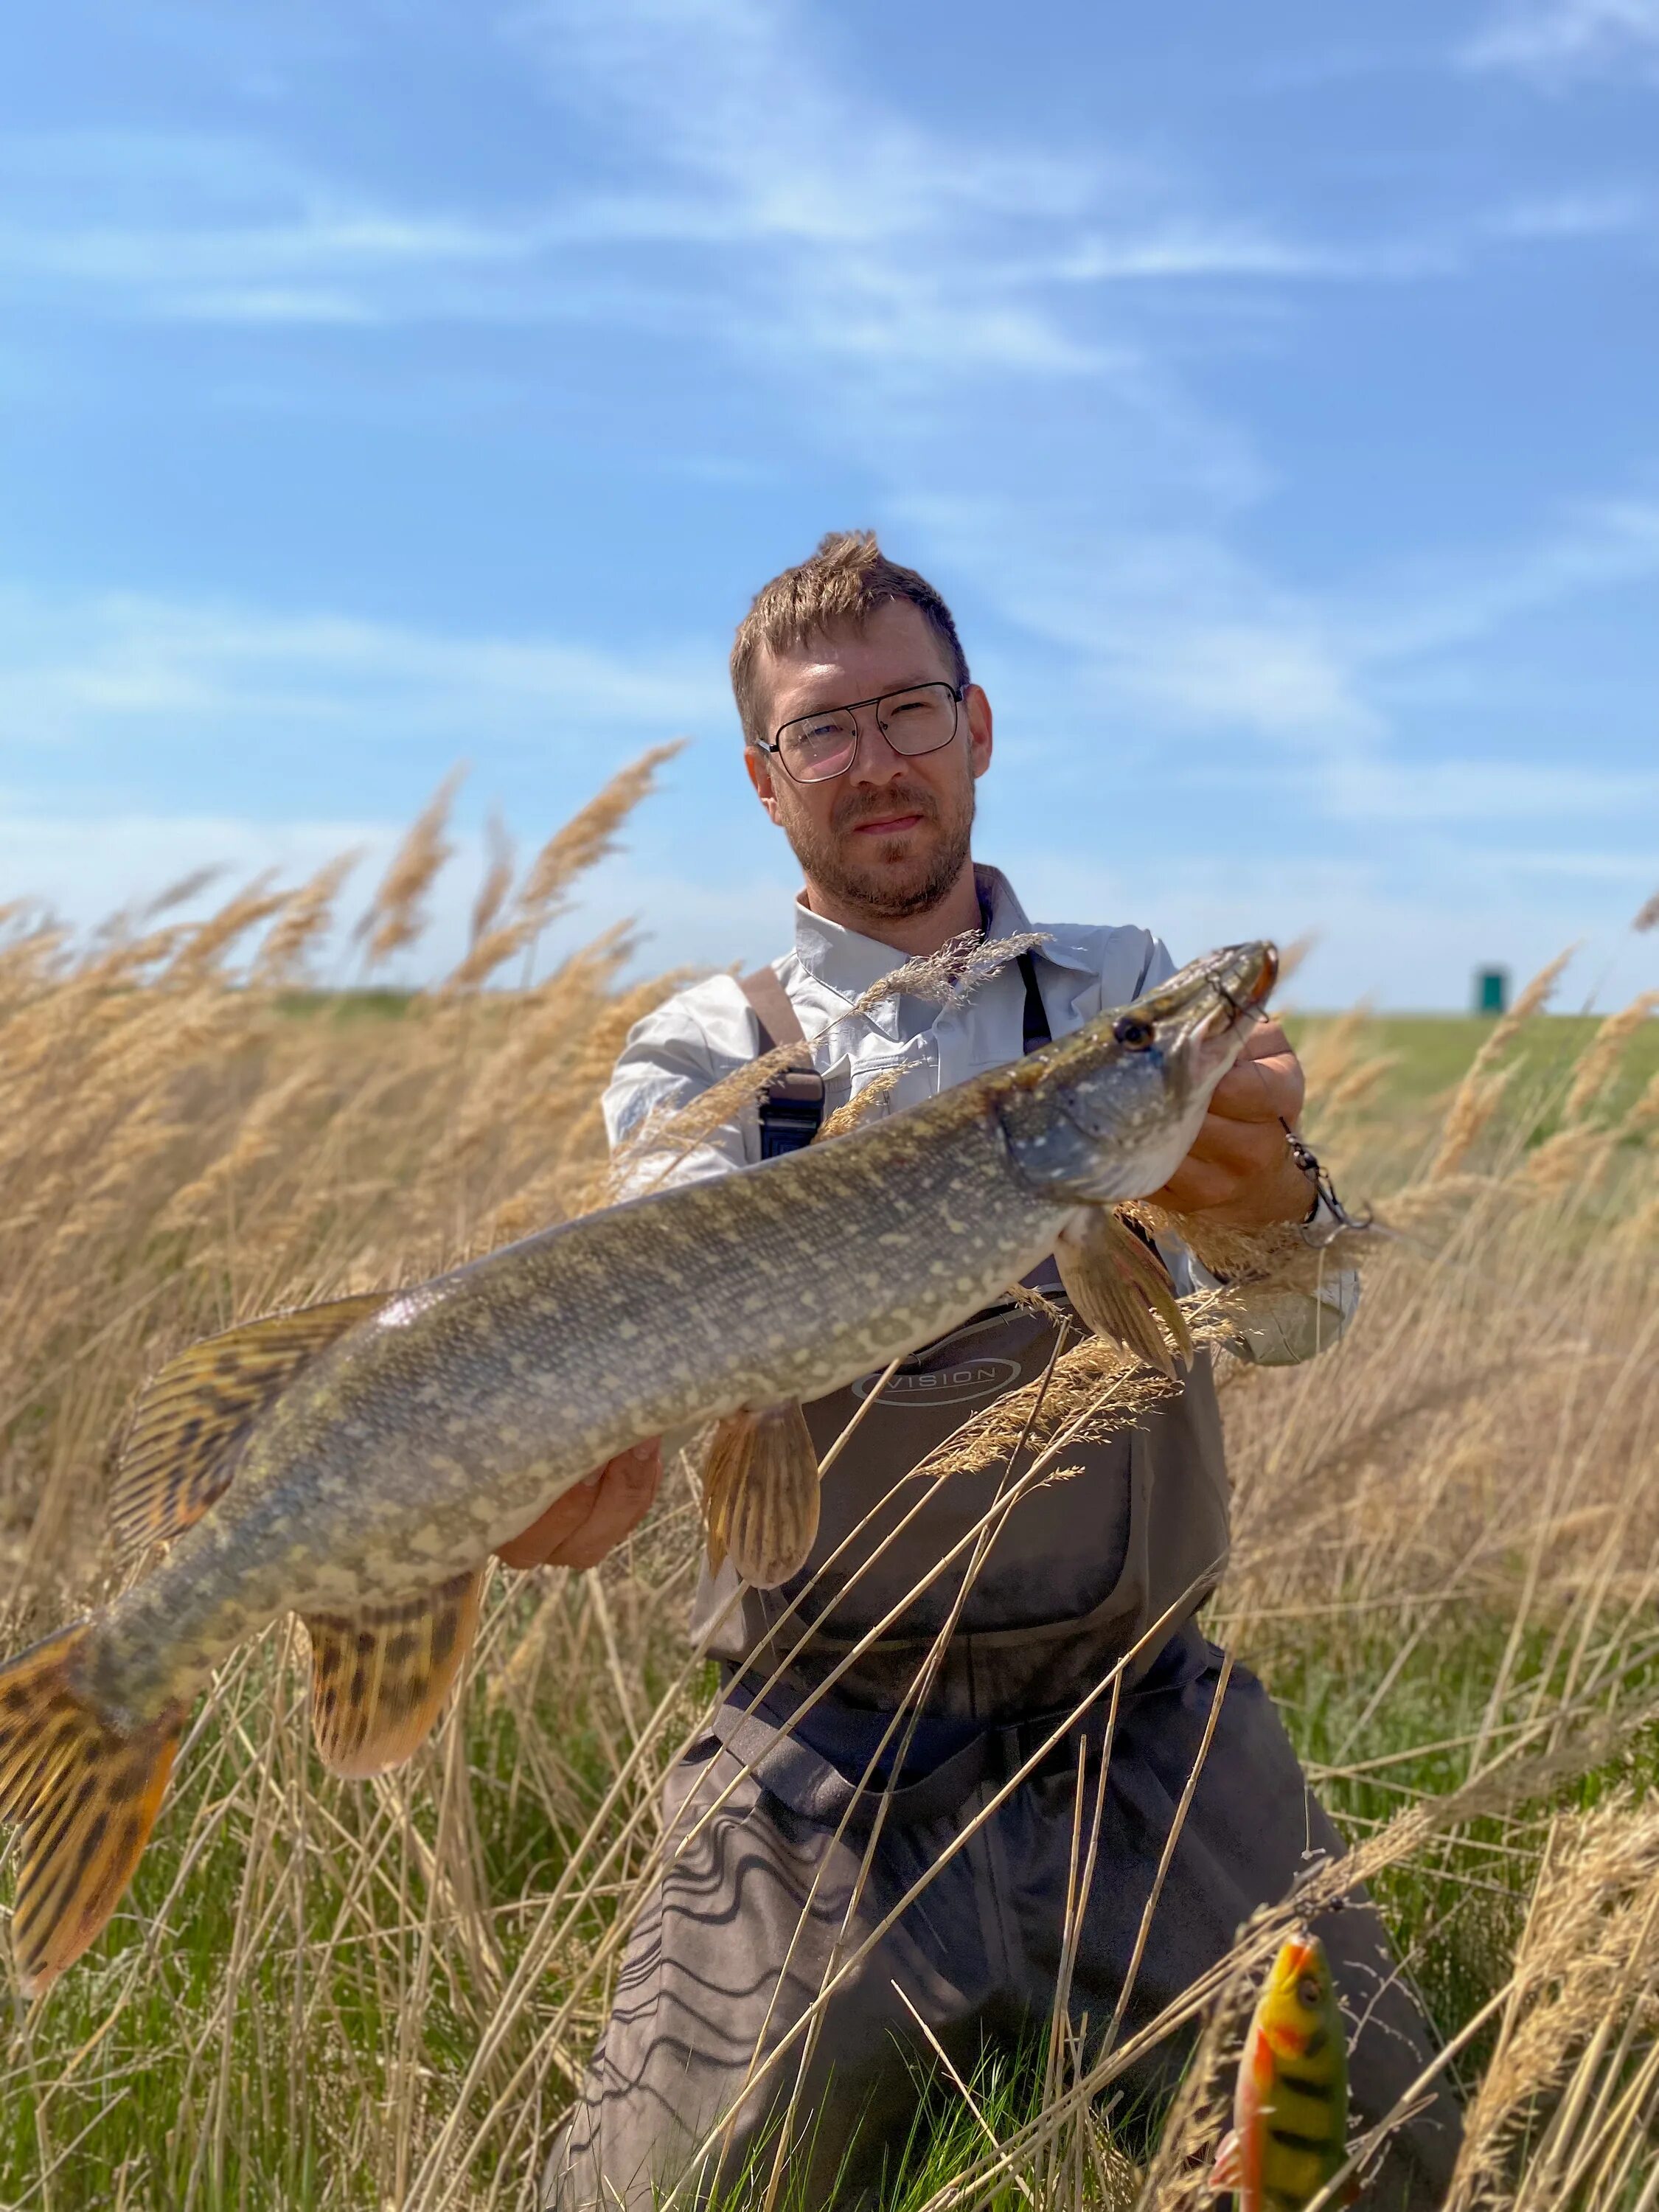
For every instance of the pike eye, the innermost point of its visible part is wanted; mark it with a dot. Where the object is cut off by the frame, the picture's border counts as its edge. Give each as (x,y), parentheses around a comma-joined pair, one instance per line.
(1307,1993)
(1137,1036)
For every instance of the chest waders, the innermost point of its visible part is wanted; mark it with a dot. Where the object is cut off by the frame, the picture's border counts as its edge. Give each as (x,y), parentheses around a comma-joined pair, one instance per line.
(1078,1572)
(806,1923)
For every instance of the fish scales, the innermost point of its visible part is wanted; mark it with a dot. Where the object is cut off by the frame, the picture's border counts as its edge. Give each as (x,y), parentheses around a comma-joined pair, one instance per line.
(540,1362)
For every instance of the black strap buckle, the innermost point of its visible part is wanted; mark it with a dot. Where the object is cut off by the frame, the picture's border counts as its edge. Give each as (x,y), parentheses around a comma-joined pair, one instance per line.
(791,1112)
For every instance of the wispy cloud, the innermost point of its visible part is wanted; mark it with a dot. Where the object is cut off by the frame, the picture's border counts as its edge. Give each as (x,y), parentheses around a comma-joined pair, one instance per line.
(1183,250)
(1100,521)
(1431,605)
(224,229)
(769,203)
(1607,211)
(1183,635)
(70,668)
(1401,935)
(86,865)
(1491,793)
(872,239)
(1556,40)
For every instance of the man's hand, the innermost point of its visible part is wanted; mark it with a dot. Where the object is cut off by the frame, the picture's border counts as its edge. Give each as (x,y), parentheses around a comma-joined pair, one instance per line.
(594,1515)
(1240,1169)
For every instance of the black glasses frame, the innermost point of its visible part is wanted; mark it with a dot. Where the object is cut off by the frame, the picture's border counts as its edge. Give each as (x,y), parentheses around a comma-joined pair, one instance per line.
(774,745)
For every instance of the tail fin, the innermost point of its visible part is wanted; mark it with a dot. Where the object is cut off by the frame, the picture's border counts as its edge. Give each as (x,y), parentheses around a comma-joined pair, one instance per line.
(85,1793)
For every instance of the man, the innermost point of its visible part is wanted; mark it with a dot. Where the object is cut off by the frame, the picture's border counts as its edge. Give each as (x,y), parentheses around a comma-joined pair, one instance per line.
(815,1843)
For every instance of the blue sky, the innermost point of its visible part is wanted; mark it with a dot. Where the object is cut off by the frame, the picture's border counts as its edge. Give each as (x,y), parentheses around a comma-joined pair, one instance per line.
(1271,391)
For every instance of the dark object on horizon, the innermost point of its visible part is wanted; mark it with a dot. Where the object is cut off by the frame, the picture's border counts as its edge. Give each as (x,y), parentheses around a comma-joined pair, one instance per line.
(1492,990)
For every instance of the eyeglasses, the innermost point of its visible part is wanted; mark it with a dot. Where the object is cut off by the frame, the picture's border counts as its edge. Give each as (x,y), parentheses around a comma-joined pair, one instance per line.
(815,747)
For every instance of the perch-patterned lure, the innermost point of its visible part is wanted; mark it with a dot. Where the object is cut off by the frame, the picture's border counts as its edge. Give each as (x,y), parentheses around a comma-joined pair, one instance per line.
(1290,2106)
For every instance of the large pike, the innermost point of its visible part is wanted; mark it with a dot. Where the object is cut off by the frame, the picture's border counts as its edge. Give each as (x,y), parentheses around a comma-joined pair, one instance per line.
(357,1462)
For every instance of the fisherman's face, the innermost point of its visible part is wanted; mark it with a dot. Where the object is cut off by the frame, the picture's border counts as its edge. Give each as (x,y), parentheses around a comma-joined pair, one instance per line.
(891,836)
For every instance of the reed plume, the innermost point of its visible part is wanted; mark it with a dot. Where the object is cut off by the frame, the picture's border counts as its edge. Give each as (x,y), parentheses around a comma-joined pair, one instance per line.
(584,841)
(397,913)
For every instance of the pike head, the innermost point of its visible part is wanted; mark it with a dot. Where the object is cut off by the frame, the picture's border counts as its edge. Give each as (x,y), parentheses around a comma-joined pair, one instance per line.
(1112,1111)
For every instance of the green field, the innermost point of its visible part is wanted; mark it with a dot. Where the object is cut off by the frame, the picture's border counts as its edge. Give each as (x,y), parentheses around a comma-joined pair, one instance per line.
(1432,1052)
(1427,1053)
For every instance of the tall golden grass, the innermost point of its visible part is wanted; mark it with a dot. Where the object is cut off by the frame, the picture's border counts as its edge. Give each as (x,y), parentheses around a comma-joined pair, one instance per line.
(333,1994)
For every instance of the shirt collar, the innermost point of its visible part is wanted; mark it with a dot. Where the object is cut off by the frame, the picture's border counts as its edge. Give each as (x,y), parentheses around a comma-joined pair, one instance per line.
(839,958)
(849,965)
(1060,947)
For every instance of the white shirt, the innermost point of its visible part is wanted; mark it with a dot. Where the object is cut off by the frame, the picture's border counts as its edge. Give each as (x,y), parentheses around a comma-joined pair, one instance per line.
(706,1032)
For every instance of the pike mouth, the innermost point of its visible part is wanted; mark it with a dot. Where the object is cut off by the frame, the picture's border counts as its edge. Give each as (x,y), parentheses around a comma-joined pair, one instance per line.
(1239,980)
(1266,974)
(1243,976)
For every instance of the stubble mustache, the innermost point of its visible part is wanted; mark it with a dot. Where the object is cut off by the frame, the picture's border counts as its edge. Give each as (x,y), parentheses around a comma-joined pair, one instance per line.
(855,810)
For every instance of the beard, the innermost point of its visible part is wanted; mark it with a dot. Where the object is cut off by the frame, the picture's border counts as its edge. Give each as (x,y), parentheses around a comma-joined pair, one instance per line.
(871,874)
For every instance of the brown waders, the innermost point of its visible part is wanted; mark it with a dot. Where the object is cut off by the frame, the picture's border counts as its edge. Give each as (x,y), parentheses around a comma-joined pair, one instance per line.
(801,1881)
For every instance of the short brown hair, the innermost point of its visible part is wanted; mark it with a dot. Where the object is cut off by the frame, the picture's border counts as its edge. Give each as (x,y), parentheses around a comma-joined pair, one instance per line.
(840,587)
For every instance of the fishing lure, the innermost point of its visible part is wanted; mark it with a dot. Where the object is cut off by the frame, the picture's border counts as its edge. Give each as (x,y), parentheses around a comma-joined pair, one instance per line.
(1290,2106)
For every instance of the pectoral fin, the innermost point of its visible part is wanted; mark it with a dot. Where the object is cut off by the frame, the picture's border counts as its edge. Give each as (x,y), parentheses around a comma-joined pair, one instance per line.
(1120,1288)
(379,1676)
(760,1494)
(192,1421)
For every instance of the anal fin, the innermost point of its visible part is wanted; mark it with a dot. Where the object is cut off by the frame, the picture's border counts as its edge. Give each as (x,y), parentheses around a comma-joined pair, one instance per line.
(86,1792)
(760,1493)
(379,1676)
(181,1450)
(1120,1288)
(1227,2173)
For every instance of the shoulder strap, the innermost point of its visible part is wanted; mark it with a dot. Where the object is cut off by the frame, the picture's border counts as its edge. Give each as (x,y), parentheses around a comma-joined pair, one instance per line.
(792,1107)
(779,1022)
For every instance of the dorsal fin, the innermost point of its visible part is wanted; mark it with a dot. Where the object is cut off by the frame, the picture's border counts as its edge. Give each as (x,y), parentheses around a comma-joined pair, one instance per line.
(192,1420)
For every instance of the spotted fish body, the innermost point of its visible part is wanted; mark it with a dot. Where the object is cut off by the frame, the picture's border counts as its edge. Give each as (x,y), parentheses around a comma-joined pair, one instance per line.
(357,1463)
(1290,2104)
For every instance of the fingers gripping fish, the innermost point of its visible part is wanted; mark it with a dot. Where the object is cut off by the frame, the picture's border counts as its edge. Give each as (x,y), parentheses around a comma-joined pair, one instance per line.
(357,1462)
(1290,2106)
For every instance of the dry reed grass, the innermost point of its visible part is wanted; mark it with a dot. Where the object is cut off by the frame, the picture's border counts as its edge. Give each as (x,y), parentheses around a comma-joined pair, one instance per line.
(382,1995)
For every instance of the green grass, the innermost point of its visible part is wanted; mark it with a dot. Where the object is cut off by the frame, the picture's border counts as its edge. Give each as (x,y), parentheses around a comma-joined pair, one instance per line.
(144,2105)
(1429,1052)
(1432,1053)
(344,1006)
